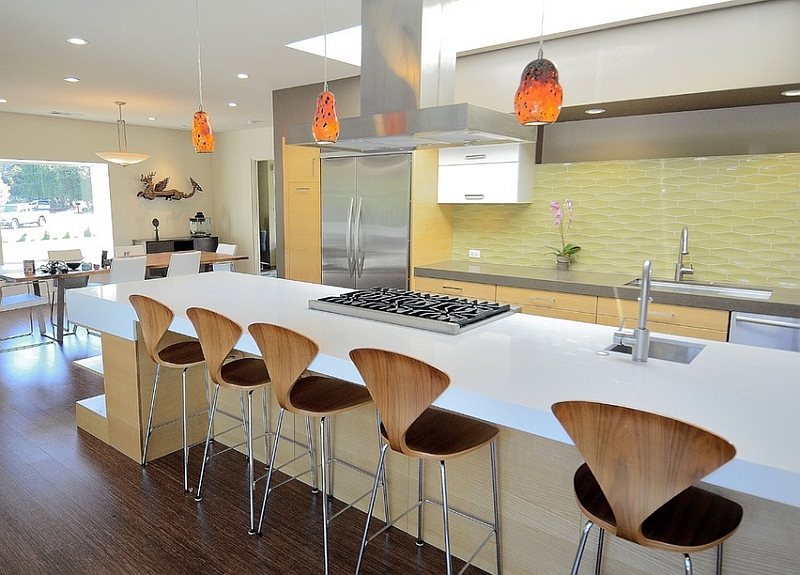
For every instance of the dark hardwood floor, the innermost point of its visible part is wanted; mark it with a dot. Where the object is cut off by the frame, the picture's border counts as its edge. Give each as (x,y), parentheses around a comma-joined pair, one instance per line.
(70,504)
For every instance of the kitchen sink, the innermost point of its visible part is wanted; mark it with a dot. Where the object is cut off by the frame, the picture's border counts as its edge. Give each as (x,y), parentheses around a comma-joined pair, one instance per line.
(705,289)
(665,349)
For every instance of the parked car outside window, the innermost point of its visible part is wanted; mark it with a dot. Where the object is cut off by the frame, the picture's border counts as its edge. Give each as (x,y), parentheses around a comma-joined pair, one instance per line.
(16,215)
(41,205)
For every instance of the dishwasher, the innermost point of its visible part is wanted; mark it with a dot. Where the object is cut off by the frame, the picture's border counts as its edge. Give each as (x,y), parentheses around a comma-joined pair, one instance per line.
(765,331)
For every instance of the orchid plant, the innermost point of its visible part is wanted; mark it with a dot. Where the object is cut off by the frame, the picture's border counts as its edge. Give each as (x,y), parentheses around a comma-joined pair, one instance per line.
(560,213)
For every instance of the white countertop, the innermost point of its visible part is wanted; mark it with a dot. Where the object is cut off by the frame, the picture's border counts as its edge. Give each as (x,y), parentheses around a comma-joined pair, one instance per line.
(512,370)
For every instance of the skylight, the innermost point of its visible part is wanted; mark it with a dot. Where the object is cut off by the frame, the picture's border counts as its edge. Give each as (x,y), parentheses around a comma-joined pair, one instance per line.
(485,23)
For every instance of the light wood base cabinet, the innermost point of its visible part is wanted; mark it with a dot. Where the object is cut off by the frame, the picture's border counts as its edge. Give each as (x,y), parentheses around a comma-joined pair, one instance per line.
(671,319)
(483,292)
(560,305)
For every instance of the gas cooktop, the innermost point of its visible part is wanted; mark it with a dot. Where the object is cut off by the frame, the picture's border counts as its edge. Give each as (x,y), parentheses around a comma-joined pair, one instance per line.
(438,313)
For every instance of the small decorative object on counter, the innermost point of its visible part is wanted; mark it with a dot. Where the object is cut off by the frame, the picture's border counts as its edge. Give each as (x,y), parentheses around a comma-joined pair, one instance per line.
(565,253)
(28,267)
(104,263)
(155,223)
(199,226)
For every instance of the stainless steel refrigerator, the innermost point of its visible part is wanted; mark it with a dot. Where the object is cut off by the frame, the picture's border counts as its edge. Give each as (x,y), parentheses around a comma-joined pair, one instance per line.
(366,208)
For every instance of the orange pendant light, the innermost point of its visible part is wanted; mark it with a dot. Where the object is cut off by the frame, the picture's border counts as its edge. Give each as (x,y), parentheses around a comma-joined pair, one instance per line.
(325,127)
(202,136)
(326,124)
(539,96)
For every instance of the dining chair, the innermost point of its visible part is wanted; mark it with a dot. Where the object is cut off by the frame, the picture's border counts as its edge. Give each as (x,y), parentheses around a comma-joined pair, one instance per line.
(128,251)
(71,255)
(638,480)
(287,355)
(11,301)
(227,249)
(183,263)
(127,269)
(218,335)
(404,389)
(155,319)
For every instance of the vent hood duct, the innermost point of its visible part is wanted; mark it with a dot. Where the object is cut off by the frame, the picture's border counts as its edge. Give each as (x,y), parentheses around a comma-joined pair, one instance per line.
(408,87)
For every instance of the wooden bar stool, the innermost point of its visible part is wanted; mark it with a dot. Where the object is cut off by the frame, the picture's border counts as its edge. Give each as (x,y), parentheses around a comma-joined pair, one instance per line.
(403,389)
(155,319)
(218,335)
(288,355)
(637,482)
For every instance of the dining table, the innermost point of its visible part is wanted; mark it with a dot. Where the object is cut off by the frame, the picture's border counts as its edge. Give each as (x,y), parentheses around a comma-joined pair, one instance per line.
(154,261)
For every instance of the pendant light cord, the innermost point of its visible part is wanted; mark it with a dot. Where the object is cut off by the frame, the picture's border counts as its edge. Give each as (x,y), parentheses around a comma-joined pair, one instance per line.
(541,36)
(325,42)
(199,66)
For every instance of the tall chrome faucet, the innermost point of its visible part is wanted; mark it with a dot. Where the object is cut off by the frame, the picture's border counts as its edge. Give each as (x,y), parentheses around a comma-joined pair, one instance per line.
(680,270)
(639,340)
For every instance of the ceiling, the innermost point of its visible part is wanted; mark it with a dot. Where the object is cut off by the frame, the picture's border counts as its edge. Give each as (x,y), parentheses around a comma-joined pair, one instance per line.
(144,52)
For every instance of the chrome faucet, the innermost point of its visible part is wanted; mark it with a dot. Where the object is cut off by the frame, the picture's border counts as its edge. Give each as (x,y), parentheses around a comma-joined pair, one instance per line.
(680,270)
(639,340)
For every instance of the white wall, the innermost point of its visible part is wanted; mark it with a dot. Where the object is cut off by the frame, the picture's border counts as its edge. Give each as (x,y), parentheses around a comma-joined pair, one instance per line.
(24,137)
(236,203)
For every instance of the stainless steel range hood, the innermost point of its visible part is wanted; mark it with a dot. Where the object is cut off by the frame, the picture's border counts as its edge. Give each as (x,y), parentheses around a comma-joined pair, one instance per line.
(408,86)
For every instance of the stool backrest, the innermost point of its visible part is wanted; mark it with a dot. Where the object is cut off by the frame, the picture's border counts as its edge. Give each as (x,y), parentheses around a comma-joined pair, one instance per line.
(287,355)
(402,387)
(155,319)
(127,269)
(641,460)
(218,335)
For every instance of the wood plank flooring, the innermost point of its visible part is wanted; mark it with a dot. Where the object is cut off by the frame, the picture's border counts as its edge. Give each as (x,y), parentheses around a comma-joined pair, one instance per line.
(70,504)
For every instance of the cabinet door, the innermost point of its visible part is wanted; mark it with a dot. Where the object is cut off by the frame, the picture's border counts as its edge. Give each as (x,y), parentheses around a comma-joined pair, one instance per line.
(302,231)
(560,305)
(208,244)
(671,319)
(160,246)
(483,292)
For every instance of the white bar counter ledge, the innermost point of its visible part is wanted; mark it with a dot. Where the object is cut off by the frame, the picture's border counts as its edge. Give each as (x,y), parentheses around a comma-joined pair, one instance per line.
(510,371)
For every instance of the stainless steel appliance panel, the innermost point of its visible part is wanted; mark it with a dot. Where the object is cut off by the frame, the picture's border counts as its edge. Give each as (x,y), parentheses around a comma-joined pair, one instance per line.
(366,204)
(765,331)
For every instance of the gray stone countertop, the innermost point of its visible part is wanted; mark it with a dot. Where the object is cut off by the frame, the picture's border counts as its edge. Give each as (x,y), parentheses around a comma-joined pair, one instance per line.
(783,301)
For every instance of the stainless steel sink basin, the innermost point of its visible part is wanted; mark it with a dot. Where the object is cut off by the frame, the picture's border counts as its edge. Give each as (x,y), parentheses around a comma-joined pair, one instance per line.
(706,289)
(668,350)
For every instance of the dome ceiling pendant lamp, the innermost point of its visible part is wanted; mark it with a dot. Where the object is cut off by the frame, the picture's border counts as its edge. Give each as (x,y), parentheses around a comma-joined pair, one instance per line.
(122,157)
(325,127)
(539,96)
(202,136)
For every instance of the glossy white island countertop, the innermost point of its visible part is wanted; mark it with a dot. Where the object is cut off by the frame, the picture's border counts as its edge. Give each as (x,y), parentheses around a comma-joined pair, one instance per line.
(511,371)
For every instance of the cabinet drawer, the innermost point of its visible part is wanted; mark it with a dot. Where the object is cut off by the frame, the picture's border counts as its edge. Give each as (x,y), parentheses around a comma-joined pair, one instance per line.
(484,292)
(497,153)
(550,304)
(672,319)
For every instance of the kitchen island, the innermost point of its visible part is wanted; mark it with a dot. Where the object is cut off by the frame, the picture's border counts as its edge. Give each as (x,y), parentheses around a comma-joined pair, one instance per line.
(509,372)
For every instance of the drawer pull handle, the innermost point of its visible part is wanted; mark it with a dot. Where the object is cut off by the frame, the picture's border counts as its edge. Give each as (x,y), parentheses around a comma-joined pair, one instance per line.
(663,314)
(452,288)
(544,300)
(475,157)
(476,197)
(302,189)
(771,323)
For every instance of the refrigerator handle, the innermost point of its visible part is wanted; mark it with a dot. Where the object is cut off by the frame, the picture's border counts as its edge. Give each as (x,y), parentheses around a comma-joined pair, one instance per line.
(348,240)
(359,248)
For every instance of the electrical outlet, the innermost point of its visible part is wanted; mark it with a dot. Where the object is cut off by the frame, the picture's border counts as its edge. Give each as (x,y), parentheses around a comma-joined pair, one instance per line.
(474,253)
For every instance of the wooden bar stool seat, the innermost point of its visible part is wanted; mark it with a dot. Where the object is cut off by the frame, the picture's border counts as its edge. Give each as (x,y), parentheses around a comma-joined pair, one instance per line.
(218,336)
(155,319)
(637,482)
(404,389)
(287,355)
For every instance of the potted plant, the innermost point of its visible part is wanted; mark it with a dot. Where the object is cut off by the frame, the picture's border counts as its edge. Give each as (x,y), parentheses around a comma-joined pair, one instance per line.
(560,213)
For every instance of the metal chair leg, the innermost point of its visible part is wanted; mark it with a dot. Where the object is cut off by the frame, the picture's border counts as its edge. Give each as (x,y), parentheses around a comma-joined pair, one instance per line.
(445,518)
(198,496)
(324,471)
(386,515)
(599,561)
(420,542)
(271,468)
(378,472)
(314,484)
(250,461)
(687,564)
(579,555)
(495,502)
(149,429)
(719,559)
(185,434)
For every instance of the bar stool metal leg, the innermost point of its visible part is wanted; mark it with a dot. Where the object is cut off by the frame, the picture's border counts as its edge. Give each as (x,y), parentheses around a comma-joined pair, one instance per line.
(495,498)
(600,538)
(149,429)
(271,468)
(420,482)
(314,485)
(581,546)
(378,473)
(198,496)
(250,461)
(185,434)
(445,519)
(324,470)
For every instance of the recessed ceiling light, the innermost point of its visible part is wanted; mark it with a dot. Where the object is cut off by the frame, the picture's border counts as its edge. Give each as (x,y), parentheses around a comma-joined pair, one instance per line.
(232,104)
(152,118)
(3,101)
(77,41)
(595,111)
(791,93)
(242,76)
(72,79)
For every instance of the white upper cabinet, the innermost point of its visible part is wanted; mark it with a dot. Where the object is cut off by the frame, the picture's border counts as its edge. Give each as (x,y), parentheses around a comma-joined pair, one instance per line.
(494,174)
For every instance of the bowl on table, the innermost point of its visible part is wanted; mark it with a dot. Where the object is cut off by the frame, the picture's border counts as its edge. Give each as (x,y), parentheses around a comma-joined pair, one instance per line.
(73,265)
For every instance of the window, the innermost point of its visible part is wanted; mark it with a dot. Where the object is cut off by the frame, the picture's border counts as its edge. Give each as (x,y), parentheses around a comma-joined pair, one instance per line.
(53,206)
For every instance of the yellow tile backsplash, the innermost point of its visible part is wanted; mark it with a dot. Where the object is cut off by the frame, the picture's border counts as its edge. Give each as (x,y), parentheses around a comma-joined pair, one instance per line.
(743,215)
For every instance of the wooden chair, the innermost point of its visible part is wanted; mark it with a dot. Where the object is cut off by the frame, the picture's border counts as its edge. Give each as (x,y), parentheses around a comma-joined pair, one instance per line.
(287,355)
(155,319)
(181,264)
(218,335)
(403,389)
(637,482)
